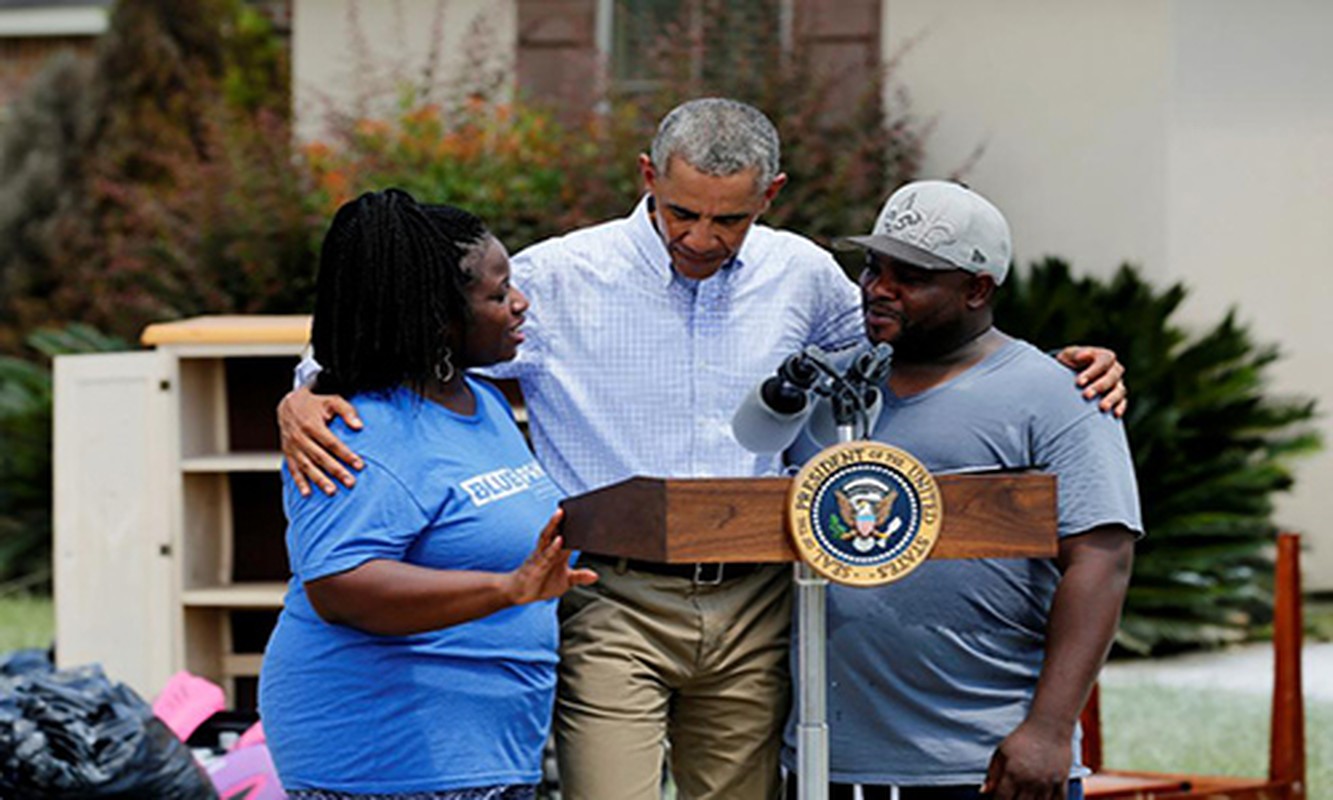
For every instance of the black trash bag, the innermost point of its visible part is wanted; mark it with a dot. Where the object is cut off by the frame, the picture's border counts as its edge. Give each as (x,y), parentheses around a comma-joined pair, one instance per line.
(73,734)
(24,662)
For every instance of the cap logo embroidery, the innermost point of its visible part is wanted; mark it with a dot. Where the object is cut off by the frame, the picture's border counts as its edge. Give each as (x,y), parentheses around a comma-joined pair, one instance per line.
(937,236)
(896,219)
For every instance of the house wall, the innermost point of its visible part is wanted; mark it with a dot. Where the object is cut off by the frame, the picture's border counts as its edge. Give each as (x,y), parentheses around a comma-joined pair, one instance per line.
(1190,137)
(356,54)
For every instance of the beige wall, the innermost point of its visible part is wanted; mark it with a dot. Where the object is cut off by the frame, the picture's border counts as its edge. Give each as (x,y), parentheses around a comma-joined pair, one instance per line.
(1251,201)
(349,53)
(1192,137)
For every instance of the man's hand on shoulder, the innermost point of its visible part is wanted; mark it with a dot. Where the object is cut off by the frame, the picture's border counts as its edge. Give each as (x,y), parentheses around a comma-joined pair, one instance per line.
(1100,373)
(312,451)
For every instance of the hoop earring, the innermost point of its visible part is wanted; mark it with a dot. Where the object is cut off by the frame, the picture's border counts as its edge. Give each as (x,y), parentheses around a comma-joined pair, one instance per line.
(444,368)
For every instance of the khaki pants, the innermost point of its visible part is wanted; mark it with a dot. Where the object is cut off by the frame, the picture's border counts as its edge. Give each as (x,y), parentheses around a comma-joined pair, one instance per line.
(646,658)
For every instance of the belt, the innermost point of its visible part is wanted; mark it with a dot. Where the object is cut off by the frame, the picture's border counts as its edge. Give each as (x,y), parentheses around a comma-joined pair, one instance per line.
(969,791)
(703,573)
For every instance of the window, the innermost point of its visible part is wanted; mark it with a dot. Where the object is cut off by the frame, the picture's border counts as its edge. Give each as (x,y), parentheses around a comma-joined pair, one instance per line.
(718,43)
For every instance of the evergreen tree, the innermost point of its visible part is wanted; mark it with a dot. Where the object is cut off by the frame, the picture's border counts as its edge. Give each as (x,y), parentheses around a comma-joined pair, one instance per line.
(44,147)
(1211,447)
(180,100)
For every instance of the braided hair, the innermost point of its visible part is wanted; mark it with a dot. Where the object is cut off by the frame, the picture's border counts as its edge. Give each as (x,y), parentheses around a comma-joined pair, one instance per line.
(390,298)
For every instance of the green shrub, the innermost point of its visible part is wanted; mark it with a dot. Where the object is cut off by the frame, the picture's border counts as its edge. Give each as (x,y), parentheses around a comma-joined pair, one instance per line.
(1211,447)
(25,470)
(25,460)
(529,175)
(235,232)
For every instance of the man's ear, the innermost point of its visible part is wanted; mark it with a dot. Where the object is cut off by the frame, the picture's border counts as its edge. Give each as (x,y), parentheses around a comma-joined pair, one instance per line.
(772,190)
(980,290)
(648,171)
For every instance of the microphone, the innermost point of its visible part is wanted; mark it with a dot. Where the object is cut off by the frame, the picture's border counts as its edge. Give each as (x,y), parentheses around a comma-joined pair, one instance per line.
(809,391)
(870,368)
(855,401)
(786,392)
(772,414)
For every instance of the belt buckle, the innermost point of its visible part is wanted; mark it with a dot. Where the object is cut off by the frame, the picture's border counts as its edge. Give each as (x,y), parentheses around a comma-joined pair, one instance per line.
(701,572)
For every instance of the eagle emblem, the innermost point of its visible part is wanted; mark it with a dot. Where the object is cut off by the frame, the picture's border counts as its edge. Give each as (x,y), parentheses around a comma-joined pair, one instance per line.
(867,520)
(863,513)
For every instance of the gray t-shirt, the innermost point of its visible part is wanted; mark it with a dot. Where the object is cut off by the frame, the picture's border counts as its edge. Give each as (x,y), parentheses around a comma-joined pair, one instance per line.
(927,675)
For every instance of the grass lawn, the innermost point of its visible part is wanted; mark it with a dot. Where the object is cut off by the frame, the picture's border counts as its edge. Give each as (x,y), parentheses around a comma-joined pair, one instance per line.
(1319,618)
(1172,729)
(26,621)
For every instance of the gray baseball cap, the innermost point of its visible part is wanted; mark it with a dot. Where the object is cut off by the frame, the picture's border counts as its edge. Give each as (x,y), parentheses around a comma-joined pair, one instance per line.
(941,225)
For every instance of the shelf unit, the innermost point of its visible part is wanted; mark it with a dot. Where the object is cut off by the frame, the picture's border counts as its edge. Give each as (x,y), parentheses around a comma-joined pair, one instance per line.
(169,524)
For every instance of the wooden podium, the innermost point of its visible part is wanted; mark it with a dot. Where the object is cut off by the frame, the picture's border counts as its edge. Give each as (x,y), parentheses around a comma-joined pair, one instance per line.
(683,520)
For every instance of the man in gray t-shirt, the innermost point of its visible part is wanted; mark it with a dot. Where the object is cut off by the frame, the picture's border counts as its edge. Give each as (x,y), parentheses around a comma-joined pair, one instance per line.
(974,671)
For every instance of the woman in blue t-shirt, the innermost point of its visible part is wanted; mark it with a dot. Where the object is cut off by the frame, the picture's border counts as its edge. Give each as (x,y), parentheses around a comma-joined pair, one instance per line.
(415,654)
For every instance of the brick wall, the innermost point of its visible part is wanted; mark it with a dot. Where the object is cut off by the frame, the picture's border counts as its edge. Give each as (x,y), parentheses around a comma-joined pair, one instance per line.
(844,41)
(557,52)
(21,58)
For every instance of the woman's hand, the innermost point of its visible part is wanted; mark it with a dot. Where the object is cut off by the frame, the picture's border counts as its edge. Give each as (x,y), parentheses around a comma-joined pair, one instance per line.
(546,573)
(311,449)
(392,598)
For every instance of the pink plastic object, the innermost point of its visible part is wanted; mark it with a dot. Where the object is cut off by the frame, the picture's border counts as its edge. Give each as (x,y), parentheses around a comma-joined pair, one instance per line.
(186,701)
(246,773)
(253,735)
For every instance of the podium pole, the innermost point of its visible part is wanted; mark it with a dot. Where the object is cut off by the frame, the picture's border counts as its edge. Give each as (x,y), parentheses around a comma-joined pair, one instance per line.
(812,667)
(811,663)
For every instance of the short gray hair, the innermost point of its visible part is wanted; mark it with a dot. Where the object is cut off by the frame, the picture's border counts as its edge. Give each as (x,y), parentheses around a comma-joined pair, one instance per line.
(718,136)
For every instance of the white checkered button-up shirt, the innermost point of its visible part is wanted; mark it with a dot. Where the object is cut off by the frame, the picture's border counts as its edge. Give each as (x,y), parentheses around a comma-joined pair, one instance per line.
(630,369)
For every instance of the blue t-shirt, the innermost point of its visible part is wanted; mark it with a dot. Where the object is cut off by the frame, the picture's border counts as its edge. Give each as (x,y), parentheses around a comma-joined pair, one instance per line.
(927,675)
(463,706)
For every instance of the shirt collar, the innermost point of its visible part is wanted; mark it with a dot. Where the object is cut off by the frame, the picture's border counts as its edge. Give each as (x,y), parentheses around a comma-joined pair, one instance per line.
(653,250)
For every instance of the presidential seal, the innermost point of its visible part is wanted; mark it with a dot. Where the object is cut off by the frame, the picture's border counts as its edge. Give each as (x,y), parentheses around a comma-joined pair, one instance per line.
(864,513)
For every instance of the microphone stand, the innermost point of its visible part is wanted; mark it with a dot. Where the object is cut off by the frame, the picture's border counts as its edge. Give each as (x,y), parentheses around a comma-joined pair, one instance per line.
(851,415)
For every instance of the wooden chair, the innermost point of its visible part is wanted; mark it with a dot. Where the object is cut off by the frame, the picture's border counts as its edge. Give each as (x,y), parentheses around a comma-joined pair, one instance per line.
(1286,748)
